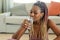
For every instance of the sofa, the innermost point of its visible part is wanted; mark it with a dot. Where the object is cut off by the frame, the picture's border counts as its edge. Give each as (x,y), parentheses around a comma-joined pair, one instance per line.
(11,21)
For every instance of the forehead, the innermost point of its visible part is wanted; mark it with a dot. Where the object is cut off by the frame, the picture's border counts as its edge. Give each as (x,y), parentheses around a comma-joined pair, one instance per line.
(35,8)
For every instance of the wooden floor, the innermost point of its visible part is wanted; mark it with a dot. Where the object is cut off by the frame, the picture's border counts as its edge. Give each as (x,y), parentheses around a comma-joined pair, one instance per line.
(24,37)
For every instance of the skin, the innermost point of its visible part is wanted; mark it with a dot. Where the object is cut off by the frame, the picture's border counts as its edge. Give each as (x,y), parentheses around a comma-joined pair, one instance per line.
(36,14)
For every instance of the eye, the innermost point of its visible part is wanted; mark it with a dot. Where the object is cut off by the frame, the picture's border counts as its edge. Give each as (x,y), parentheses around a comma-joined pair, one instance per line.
(30,11)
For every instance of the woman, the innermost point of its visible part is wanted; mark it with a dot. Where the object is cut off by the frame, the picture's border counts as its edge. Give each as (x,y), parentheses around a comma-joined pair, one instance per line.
(39,13)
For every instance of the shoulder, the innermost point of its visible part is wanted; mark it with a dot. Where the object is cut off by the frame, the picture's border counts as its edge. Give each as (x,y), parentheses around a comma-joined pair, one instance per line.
(49,20)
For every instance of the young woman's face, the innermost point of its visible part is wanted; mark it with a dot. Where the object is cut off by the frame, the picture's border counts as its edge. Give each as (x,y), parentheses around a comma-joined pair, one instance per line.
(35,13)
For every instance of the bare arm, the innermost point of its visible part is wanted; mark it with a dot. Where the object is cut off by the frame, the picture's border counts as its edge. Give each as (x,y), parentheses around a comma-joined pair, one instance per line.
(21,31)
(54,27)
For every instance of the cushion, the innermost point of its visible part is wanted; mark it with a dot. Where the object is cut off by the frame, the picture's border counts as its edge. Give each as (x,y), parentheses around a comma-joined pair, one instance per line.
(19,10)
(15,19)
(54,9)
(28,6)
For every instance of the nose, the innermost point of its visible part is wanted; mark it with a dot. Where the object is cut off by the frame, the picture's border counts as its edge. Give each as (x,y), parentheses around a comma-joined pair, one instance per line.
(32,14)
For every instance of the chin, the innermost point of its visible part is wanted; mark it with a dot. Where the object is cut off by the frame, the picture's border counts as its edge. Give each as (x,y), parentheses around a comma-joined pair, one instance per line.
(34,20)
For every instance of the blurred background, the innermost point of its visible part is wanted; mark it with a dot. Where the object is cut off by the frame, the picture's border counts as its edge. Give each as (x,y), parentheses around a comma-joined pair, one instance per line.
(13,12)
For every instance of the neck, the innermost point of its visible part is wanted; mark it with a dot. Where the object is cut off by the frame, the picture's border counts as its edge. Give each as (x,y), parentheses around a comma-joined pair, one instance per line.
(36,22)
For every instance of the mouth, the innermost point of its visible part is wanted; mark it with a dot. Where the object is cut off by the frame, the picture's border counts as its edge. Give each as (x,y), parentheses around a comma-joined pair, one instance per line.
(33,18)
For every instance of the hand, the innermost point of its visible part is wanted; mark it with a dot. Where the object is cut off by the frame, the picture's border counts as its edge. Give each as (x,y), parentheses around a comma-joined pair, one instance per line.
(25,23)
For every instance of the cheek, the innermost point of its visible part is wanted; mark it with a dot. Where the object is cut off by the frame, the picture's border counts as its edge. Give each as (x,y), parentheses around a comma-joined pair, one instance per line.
(39,16)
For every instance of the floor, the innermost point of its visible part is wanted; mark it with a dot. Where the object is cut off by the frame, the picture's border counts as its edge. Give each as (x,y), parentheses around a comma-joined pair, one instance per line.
(24,37)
